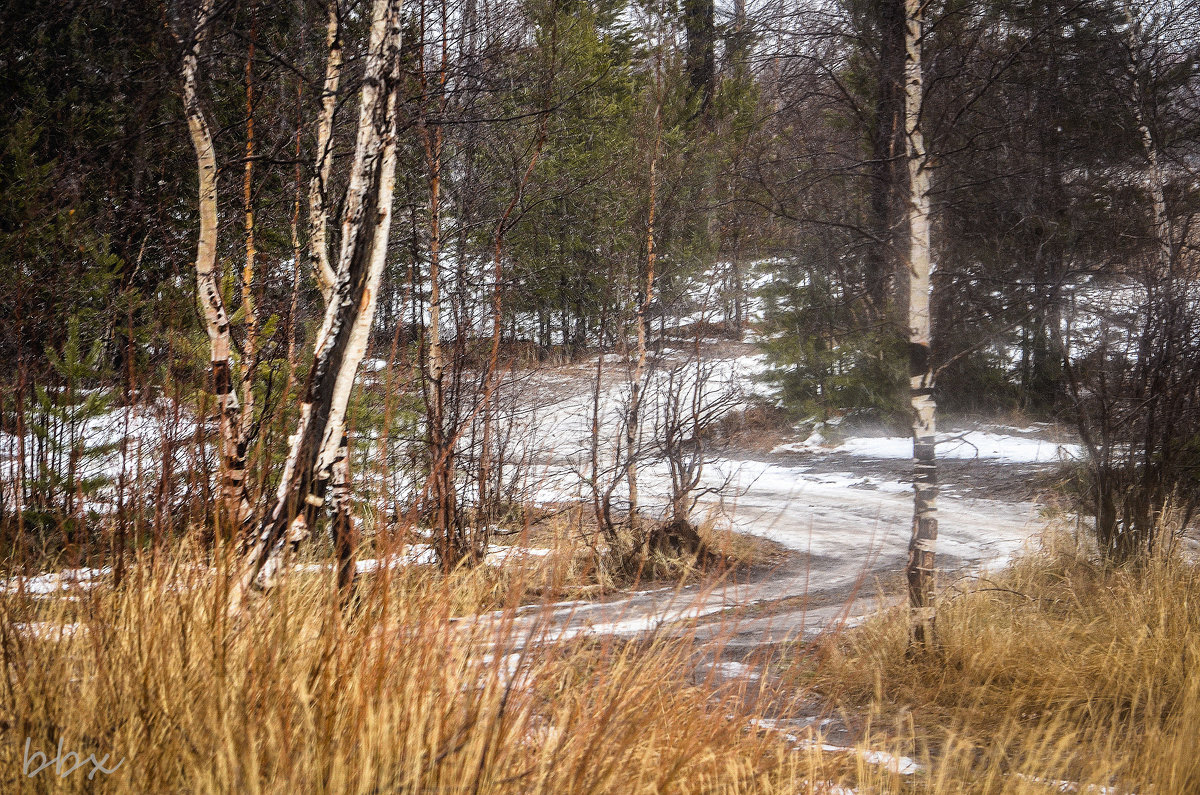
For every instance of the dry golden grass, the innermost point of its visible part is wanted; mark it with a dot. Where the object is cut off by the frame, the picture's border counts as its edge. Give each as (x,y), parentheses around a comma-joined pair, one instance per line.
(1056,670)
(400,697)
(580,561)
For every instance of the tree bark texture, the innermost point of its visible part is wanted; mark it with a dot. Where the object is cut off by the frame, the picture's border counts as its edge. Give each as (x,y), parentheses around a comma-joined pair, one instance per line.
(342,341)
(1162,228)
(208,283)
(920,570)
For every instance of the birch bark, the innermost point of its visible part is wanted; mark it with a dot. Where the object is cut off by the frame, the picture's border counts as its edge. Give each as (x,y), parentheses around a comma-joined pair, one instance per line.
(920,570)
(441,451)
(318,189)
(208,286)
(1162,228)
(238,497)
(366,224)
(342,529)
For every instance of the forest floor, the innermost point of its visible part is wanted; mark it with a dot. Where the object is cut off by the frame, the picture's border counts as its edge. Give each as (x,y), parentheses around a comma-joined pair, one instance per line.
(837,512)
(829,509)
(832,508)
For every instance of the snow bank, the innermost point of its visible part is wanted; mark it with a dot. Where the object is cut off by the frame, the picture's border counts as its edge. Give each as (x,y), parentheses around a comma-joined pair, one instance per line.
(968,445)
(56,582)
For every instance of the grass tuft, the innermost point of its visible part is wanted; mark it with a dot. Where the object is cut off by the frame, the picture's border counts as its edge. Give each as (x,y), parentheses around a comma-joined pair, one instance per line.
(1059,669)
(404,696)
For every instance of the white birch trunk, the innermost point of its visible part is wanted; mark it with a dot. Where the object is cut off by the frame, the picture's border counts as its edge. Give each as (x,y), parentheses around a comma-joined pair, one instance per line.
(920,570)
(318,213)
(1162,226)
(441,451)
(348,315)
(208,285)
(318,248)
(239,497)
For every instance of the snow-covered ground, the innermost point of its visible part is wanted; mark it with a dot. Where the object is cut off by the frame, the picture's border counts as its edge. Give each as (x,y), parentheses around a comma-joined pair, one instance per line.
(757,496)
(846,526)
(120,444)
(56,582)
(1001,448)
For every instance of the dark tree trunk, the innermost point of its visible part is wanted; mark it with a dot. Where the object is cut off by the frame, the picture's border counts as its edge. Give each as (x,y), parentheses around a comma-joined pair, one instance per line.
(889,178)
(701,56)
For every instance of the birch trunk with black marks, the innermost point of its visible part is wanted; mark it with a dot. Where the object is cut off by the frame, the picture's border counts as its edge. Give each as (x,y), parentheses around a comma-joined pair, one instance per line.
(441,450)
(208,283)
(342,340)
(318,187)
(342,528)
(238,495)
(441,453)
(1162,228)
(297,250)
(920,570)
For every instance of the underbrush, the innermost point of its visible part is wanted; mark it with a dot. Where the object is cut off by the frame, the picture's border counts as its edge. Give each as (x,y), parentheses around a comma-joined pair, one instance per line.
(401,695)
(1059,669)
(554,552)
(1055,675)
(585,560)
(676,553)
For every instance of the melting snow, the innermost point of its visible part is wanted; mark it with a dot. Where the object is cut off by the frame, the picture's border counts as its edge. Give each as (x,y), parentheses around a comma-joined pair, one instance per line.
(48,630)
(730,669)
(425,555)
(982,445)
(56,582)
(901,765)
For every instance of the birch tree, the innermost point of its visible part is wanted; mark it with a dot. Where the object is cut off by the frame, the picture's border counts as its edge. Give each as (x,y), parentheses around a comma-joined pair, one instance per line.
(633,417)
(236,475)
(349,312)
(920,570)
(1137,100)
(342,530)
(318,188)
(633,420)
(208,284)
(441,439)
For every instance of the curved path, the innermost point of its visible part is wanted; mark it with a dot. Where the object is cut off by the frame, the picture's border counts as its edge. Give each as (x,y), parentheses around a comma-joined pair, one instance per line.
(845,519)
(847,537)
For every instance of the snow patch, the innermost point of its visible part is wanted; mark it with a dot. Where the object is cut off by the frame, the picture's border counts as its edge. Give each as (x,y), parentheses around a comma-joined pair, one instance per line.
(892,763)
(900,765)
(731,669)
(968,445)
(49,630)
(56,582)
